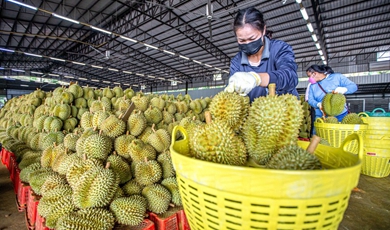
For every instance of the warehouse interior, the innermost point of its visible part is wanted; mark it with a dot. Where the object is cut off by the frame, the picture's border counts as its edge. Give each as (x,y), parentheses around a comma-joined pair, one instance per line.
(185,47)
(179,45)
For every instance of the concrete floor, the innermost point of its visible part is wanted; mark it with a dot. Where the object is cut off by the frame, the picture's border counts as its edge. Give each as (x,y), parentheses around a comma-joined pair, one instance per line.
(368,209)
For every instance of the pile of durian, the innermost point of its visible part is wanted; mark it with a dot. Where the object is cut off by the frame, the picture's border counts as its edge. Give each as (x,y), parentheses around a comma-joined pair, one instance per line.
(261,134)
(91,168)
(350,118)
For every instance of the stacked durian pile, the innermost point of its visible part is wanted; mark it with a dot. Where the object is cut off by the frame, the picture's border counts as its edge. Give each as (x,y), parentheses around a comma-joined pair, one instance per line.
(263,134)
(304,129)
(92,168)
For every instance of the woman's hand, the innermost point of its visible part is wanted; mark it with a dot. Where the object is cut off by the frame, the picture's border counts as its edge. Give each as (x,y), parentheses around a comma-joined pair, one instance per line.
(243,82)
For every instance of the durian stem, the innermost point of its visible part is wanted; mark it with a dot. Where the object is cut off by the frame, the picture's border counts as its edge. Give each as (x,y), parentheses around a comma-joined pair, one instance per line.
(314,141)
(271,89)
(207,116)
(108,165)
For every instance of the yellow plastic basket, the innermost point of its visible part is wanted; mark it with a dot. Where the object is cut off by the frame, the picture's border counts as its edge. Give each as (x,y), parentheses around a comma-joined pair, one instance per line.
(217,196)
(378,131)
(336,133)
(377,165)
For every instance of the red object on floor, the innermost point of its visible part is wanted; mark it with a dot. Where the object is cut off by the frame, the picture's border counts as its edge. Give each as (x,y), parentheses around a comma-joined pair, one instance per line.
(164,223)
(16,176)
(22,195)
(32,204)
(182,220)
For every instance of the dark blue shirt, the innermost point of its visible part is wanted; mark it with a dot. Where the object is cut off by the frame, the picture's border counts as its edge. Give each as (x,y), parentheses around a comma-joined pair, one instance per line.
(278,60)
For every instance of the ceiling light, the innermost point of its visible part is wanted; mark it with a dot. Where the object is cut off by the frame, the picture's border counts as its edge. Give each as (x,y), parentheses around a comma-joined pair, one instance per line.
(128,72)
(323,58)
(184,57)
(57,59)
(208,65)
(140,74)
(324,62)
(65,18)
(151,76)
(298,1)
(115,70)
(34,55)
(106,82)
(7,50)
(54,75)
(135,85)
(68,77)
(169,52)
(126,84)
(24,85)
(225,71)
(197,61)
(318,45)
(128,39)
(310,27)
(96,66)
(95,80)
(101,30)
(18,70)
(304,13)
(81,78)
(117,83)
(33,72)
(25,5)
(153,47)
(217,68)
(314,37)
(77,63)
(320,52)
(161,78)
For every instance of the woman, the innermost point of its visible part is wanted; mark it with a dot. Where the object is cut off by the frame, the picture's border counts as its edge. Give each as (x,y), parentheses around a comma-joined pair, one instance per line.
(261,60)
(324,80)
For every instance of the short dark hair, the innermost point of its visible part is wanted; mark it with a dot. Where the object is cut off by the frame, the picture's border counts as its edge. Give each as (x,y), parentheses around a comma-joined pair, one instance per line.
(253,17)
(320,69)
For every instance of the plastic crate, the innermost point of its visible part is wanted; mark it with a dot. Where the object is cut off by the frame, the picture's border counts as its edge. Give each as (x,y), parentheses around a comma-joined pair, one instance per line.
(145,225)
(182,220)
(22,196)
(40,223)
(218,196)
(376,162)
(336,133)
(2,151)
(4,156)
(15,176)
(165,221)
(32,204)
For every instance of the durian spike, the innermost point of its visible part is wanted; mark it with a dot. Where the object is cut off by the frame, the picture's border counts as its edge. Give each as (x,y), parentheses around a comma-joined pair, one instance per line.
(314,141)
(271,89)
(207,116)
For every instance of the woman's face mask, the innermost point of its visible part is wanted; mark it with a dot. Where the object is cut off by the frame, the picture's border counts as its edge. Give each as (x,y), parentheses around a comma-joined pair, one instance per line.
(251,47)
(312,80)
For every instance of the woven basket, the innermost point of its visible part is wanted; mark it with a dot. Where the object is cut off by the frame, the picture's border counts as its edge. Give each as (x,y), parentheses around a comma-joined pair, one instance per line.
(217,196)
(336,133)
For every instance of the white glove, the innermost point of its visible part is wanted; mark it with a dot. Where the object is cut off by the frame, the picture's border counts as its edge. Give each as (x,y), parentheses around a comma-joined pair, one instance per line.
(243,82)
(319,105)
(341,90)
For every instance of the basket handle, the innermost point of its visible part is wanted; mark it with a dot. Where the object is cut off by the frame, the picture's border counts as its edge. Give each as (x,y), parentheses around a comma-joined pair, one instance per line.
(380,109)
(363,114)
(182,145)
(319,120)
(352,137)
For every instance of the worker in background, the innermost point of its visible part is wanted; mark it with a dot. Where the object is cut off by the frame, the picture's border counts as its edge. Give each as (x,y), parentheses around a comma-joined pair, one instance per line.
(324,80)
(261,60)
